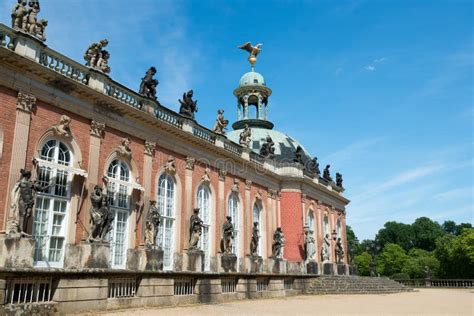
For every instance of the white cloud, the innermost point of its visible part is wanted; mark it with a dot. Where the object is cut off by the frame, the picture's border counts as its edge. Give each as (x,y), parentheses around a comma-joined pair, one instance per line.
(371,67)
(352,151)
(455,194)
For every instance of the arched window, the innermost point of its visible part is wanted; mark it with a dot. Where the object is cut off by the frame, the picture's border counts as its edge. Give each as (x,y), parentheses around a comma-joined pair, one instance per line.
(203,202)
(310,220)
(233,212)
(166,207)
(119,187)
(338,228)
(326,225)
(52,205)
(256,218)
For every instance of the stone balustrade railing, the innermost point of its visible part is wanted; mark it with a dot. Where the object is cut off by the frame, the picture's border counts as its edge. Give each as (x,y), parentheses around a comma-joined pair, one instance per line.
(438,283)
(31,48)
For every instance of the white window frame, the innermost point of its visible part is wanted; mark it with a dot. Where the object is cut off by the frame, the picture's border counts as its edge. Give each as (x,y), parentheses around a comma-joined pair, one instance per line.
(233,211)
(52,197)
(116,180)
(167,218)
(204,204)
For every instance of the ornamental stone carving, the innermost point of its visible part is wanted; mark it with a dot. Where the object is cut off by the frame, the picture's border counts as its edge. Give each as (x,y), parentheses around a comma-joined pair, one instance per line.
(188,106)
(153,219)
(272,194)
(207,175)
(245,136)
(97,57)
(150,148)
(149,84)
(195,229)
(190,161)
(222,173)
(255,239)
(26,19)
(339,250)
(221,124)
(327,174)
(235,186)
(101,216)
(97,129)
(63,127)
(124,148)
(278,243)
(325,251)
(259,195)
(248,184)
(170,165)
(309,245)
(227,236)
(339,180)
(25,102)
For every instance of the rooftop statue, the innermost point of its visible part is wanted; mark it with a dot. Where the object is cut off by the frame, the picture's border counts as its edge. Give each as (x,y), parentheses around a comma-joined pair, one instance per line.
(246,136)
(253,50)
(339,250)
(23,197)
(278,243)
(227,236)
(149,84)
(26,19)
(188,105)
(255,240)
(327,174)
(221,123)
(195,229)
(97,57)
(298,155)
(268,148)
(314,166)
(153,219)
(339,179)
(309,245)
(101,217)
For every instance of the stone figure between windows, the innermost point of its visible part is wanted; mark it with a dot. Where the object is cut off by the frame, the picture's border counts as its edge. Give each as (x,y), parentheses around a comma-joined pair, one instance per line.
(227,236)
(309,245)
(101,217)
(255,239)
(153,219)
(195,229)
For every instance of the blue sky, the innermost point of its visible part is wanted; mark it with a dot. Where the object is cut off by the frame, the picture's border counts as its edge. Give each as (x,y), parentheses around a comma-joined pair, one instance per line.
(381,90)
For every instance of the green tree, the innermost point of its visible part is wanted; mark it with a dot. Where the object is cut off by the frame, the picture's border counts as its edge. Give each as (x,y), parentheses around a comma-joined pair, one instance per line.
(456,255)
(418,261)
(426,233)
(391,260)
(362,262)
(450,227)
(396,233)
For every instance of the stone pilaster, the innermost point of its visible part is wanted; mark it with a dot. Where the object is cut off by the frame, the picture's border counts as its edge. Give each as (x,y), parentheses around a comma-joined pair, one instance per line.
(25,105)
(248,217)
(188,196)
(149,152)
(221,208)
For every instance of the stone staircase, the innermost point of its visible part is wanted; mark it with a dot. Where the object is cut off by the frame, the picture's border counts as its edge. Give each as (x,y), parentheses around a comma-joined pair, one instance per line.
(354,285)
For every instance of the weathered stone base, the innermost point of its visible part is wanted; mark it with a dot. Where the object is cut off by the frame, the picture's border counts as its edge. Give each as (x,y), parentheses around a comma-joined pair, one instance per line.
(276,265)
(253,264)
(145,259)
(312,267)
(16,252)
(328,268)
(87,256)
(352,270)
(228,263)
(193,260)
(341,269)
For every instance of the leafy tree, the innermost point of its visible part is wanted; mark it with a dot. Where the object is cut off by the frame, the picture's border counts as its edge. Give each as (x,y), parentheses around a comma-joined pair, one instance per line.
(456,255)
(362,262)
(366,245)
(396,233)
(419,260)
(391,260)
(452,228)
(426,232)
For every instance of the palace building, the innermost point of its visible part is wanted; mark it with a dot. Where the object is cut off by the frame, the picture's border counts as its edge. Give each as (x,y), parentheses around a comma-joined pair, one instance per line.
(102,184)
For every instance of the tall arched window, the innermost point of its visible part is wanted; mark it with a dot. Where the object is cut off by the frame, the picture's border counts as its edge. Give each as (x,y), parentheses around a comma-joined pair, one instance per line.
(203,202)
(166,207)
(256,218)
(52,205)
(338,228)
(119,188)
(310,220)
(233,212)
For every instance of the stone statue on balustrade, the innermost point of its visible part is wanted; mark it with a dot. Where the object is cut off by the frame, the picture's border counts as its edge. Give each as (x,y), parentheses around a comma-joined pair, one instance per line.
(339,250)
(255,240)
(101,216)
(97,57)
(339,179)
(149,84)
(309,245)
(195,229)
(227,236)
(26,19)
(325,251)
(22,201)
(327,174)
(188,106)
(314,167)
(298,155)
(268,148)
(278,243)
(153,219)
(221,123)
(245,136)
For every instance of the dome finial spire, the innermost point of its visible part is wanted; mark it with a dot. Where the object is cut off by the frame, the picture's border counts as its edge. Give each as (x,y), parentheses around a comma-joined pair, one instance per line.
(253,50)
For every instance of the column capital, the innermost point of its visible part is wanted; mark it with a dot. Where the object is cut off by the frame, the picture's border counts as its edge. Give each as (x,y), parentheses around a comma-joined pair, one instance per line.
(25,102)
(190,161)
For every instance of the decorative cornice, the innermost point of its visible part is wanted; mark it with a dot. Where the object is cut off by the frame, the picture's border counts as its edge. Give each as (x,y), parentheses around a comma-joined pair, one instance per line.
(190,161)
(222,173)
(25,102)
(97,128)
(150,148)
